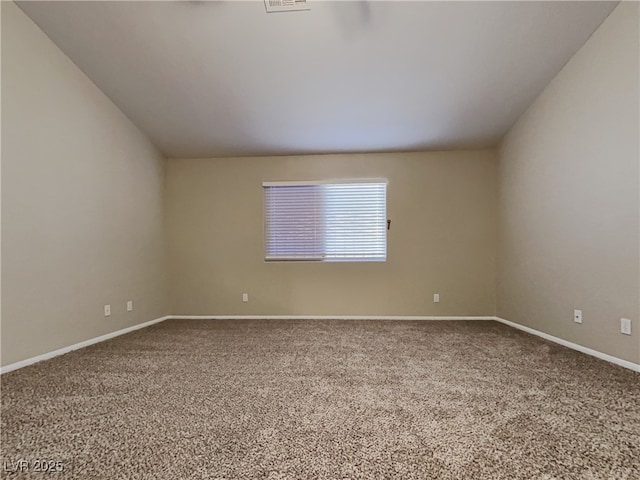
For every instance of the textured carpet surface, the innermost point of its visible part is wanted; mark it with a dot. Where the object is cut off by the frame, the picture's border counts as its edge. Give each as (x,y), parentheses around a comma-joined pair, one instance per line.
(322,399)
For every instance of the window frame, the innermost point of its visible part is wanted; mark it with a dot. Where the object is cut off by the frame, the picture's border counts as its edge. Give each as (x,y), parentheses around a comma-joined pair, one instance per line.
(322,258)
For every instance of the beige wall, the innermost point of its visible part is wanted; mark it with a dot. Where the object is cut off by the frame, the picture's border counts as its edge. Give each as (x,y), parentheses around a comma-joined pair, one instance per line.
(569,197)
(82,213)
(81,203)
(442,238)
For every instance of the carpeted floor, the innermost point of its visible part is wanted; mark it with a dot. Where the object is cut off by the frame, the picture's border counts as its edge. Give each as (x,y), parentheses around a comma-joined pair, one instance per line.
(323,399)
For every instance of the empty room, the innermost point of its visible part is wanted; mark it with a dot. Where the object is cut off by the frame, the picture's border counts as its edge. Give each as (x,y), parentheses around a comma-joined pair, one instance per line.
(320,240)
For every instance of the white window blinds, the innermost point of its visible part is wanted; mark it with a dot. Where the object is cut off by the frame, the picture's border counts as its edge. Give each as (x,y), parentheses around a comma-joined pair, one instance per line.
(344,221)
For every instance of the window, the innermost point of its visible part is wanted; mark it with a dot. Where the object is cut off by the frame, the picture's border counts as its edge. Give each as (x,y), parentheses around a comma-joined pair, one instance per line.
(339,221)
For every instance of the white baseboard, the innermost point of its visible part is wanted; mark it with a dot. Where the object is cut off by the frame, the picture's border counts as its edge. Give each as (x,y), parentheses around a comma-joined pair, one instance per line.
(322,317)
(603,356)
(102,338)
(594,353)
(76,346)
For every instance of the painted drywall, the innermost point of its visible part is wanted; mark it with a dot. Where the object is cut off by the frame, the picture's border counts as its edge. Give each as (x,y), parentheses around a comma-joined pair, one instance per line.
(0,182)
(569,198)
(442,238)
(82,193)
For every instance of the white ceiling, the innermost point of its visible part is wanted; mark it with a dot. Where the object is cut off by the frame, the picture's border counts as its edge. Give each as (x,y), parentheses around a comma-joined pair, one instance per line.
(226,78)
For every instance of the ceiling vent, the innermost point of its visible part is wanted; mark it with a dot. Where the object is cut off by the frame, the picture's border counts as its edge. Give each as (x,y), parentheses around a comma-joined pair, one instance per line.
(286,5)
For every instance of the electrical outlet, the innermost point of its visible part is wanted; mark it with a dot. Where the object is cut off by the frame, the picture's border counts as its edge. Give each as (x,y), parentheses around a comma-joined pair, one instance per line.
(625,326)
(577,316)
(436,298)
(245,297)
(130,306)
(107,310)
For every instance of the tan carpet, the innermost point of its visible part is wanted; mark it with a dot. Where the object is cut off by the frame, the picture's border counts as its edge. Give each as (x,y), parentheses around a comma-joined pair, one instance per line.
(324,399)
